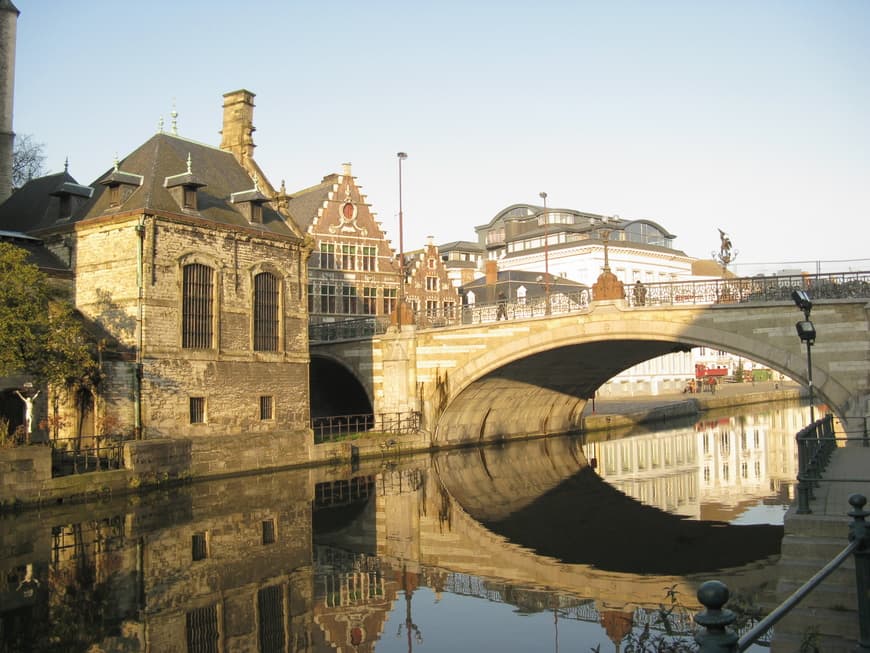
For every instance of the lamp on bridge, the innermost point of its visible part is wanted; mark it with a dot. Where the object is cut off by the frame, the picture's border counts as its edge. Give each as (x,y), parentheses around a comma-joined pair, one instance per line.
(543,196)
(401,156)
(806,331)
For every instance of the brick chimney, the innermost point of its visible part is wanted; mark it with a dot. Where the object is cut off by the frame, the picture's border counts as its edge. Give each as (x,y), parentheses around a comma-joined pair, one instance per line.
(8,30)
(237,134)
(491,273)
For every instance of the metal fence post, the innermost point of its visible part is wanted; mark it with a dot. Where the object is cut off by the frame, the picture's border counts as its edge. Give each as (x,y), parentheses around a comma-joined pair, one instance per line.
(715,636)
(803,485)
(858,531)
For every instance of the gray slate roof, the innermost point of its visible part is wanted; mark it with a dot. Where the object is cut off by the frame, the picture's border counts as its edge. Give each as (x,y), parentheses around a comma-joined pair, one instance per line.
(161,156)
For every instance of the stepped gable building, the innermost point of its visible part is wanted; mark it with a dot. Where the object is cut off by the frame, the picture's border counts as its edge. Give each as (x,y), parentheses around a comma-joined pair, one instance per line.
(428,288)
(353,271)
(186,259)
(639,249)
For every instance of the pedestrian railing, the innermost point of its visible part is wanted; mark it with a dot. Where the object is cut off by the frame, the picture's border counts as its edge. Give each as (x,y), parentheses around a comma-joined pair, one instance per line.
(102,453)
(815,444)
(337,427)
(715,636)
(737,290)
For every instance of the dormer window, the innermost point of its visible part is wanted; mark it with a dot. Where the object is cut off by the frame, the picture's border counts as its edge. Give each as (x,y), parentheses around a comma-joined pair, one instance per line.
(184,188)
(120,185)
(69,195)
(251,203)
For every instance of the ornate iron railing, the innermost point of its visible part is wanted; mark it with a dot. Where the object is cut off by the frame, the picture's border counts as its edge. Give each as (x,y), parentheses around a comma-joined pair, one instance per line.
(739,290)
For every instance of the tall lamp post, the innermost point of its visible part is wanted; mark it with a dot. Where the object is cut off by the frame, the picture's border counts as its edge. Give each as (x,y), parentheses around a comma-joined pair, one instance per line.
(543,196)
(807,333)
(401,156)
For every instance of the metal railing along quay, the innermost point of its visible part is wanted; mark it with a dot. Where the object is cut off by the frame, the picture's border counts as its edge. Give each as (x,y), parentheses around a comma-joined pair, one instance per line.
(737,290)
(715,635)
(337,427)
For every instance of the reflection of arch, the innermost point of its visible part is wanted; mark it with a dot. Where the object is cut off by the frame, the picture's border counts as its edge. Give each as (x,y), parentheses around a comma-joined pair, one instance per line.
(565,513)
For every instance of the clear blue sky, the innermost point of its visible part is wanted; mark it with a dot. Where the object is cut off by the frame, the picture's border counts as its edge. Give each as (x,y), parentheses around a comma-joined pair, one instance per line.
(749,116)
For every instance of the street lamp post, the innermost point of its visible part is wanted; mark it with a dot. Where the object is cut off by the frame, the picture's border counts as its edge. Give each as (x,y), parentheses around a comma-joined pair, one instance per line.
(543,196)
(401,303)
(807,333)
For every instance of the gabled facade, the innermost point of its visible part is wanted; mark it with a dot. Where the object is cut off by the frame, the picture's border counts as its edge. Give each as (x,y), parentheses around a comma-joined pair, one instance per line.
(353,272)
(179,254)
(428,288)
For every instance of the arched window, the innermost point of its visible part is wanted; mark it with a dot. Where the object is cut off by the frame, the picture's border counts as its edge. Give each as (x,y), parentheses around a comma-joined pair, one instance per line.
(197,311)
(266,312)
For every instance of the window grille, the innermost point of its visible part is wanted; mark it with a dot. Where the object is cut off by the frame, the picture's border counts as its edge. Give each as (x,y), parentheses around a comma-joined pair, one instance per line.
(265,312)
(203,635)
(197,410)
(268,531)
(270,608)
(199,547)
(265,407)
(197,307)
(311,298)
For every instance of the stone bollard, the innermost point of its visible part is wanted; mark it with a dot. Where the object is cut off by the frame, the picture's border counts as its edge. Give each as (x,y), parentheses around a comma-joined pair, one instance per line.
(715,636)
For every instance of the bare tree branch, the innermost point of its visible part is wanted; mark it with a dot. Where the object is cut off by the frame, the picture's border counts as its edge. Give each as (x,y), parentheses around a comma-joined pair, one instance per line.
(28,160)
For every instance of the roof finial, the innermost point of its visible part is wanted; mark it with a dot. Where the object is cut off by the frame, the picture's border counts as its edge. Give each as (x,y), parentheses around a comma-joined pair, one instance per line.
(116,163)
(66,164)
(188,163)
(160,125)
(174,115)
(283,188)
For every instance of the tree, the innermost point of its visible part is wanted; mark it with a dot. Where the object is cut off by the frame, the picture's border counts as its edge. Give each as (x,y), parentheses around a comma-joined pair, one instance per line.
(28,160)
(41,335)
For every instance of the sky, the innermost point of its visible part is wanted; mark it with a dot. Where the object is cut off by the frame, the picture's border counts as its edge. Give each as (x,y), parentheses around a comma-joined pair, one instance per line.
(747,116)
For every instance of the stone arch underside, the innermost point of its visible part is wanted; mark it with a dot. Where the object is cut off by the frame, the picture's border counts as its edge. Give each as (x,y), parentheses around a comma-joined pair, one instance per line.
(335,390)
(539,383)
(542,393)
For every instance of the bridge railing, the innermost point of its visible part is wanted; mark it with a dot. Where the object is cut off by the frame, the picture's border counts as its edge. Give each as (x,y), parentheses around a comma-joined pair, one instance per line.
(839,285)
(715,636)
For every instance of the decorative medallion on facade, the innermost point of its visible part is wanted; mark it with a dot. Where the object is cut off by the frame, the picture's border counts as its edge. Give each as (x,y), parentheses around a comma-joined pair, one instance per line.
(347,223)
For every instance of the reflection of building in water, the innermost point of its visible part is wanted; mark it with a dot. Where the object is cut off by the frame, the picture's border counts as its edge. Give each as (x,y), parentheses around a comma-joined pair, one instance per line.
(715,470)
(659,469)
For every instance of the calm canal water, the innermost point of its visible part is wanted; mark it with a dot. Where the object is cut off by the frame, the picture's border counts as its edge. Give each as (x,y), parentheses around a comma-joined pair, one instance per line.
(564,543)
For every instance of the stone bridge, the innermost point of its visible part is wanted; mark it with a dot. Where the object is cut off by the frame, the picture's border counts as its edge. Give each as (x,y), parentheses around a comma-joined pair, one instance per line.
(533,376)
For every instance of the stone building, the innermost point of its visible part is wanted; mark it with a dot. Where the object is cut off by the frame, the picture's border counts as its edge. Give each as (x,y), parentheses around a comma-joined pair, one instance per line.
(186,258)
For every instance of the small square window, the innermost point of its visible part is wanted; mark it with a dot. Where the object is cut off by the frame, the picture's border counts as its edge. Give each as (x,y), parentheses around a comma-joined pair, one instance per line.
(268,531)
(266,412)
(197,410)
(199,547)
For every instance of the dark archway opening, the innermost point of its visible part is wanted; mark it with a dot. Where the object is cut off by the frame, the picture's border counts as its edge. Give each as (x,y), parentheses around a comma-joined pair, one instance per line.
(335,391)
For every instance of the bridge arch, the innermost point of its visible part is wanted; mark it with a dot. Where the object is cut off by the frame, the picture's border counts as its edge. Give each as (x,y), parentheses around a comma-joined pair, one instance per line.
(532,367)
(335,388)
